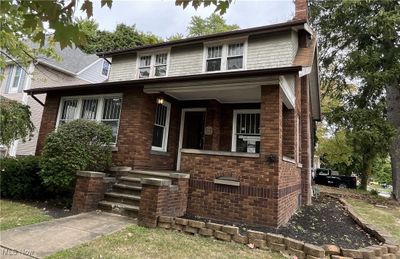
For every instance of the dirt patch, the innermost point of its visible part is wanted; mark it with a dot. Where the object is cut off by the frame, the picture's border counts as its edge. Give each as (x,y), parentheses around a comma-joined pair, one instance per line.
(54,208)
(361,195)
(325,222)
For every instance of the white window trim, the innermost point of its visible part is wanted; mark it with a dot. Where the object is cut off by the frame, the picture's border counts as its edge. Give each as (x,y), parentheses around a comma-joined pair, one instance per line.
(164,147)
(235,113)
(11,89)
(224,58)
(153,62)
(99,107)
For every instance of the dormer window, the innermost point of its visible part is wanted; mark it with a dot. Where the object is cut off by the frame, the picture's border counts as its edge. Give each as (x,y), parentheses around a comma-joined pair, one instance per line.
(106,68)
(154,65)
(224,57)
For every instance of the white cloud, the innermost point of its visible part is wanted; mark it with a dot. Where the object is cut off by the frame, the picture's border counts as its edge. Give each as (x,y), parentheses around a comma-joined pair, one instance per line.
(163,18)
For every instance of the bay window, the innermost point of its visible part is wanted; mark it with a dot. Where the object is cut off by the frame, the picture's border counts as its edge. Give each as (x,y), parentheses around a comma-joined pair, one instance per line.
(246,131)
(105,109)
(161,127)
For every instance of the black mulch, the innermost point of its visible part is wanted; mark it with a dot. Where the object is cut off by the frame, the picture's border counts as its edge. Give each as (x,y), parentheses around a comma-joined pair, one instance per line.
(325,222)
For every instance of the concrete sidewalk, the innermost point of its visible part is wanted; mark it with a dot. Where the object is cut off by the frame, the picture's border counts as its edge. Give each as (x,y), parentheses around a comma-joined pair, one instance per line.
(43,239)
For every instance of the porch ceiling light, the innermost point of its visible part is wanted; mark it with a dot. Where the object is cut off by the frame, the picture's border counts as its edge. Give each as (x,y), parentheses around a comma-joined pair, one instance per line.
(160,100)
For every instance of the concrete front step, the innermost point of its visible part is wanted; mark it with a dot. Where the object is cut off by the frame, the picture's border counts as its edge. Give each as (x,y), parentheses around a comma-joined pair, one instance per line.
(122,198)
(127,189)
(119,208)
(127,180)
(151,174)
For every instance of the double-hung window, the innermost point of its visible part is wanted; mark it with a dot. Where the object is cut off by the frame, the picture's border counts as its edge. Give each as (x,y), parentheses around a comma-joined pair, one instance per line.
(214,58)
(235,56)
(154,65)
(224,57)
(161,127)
(15,80)
(105,109)
(246,131)
(144,66)
(160,67)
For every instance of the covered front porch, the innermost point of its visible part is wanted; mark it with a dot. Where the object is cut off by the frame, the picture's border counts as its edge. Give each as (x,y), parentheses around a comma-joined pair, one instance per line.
(224,118)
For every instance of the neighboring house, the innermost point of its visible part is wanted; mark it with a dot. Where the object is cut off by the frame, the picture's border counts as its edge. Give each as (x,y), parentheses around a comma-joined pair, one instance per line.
(75,67)
(235,110)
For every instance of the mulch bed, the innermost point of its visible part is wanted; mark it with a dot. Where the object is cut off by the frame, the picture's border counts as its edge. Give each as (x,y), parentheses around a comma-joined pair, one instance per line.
(325,222)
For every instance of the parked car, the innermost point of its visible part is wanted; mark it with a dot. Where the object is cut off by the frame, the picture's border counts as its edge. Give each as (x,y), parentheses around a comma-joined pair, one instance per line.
(332,178)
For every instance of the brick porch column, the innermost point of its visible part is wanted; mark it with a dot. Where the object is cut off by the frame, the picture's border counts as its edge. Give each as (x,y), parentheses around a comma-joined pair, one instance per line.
(305,142)
(89,190)
(271,126)
(153,197)
(271,145)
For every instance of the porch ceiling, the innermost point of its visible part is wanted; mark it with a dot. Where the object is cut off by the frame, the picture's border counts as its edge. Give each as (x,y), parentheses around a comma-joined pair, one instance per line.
(227,91)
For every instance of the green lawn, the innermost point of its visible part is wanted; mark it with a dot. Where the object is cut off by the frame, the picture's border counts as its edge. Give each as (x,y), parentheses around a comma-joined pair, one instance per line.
(388,219)
(139,242)
(16,214)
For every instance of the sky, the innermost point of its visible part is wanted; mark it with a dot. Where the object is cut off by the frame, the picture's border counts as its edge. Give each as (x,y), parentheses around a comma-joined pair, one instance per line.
(163,18)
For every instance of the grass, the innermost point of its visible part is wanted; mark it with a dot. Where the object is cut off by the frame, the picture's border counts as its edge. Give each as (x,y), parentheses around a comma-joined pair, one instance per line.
(16,214)
(139,242)
(388,219)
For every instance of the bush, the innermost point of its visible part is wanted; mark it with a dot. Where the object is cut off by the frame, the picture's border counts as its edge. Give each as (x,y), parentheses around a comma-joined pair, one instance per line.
(75,146)
(20,179)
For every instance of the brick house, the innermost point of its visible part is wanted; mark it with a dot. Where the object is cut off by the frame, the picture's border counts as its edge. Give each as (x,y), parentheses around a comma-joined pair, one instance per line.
(235,110)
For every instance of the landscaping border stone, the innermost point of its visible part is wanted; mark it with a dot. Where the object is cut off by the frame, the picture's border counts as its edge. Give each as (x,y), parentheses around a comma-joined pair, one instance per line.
(287,245)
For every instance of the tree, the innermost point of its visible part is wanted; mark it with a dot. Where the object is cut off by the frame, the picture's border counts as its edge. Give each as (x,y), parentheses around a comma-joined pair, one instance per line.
(359,41)
(15,122)
(176,36)
(212,24)
(53,20)
(123,37)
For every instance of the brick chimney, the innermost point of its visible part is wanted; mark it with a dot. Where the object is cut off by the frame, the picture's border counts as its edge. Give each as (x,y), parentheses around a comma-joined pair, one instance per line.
(301,10)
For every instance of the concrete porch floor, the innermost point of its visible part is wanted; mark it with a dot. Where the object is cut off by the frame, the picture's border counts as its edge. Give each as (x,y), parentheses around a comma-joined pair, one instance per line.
(43,239)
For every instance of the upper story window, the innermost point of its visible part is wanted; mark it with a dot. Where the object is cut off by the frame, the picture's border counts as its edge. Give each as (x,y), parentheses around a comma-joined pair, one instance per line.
(106,68)
(105,109)
(15,80)
(161,127)
(246,131)
(144,66)
(155,65)
(223,57)
(214,58)
(235,56)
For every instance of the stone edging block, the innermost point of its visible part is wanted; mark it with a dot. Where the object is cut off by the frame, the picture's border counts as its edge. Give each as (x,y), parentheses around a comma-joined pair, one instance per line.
(156,181)
(276,242)
(91,174)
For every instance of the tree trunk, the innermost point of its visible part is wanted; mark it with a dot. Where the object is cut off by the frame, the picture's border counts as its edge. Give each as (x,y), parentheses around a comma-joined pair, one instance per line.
(366,172)
(393,112)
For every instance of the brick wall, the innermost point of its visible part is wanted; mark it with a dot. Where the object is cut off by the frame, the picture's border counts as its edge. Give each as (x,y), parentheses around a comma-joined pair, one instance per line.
(163,197)
(288,135)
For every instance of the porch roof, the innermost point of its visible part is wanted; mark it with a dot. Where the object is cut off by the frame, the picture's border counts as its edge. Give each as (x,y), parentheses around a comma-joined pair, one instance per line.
(171,79)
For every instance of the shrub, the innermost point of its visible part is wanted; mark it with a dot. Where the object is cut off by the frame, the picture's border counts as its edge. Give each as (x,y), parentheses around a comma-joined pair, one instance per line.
(20,179)
(76,145)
